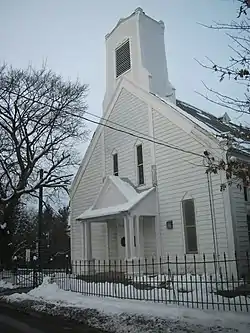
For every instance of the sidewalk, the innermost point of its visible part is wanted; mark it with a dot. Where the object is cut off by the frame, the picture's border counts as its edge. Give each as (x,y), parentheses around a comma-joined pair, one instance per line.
(122,316)
(37,314)
(13,318)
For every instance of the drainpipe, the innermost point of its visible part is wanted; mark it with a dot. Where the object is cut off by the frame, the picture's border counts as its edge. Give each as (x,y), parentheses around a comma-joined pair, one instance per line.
(213,219)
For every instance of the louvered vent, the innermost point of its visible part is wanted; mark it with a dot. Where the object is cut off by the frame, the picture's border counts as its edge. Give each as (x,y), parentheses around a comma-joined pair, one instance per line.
(123,62)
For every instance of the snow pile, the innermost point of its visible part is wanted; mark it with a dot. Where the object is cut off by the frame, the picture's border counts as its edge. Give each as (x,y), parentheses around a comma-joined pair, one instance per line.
(7,285)
(132,316)
(185,290)
(27,280)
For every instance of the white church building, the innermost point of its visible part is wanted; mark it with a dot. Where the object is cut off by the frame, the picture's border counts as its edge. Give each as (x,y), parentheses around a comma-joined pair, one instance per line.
(141,190)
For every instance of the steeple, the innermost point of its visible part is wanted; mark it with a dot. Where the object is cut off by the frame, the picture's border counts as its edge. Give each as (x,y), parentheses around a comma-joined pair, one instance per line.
(135,48)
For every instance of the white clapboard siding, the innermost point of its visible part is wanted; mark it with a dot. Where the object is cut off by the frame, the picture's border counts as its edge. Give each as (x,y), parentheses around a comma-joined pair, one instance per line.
(112,237)
(182,175)
(239,209)
(132,113)
(149,237)
(86,192)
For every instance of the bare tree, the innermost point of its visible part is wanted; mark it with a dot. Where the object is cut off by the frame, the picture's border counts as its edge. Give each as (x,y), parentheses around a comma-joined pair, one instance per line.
(238,68)
(41,121)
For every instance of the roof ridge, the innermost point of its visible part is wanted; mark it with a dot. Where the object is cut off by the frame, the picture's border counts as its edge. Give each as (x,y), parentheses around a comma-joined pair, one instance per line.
(196,108)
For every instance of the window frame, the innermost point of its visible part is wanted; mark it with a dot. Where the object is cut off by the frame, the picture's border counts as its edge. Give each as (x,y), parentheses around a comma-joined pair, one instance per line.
(248,227)
(115,170)
(140,165)
(189,226)
(245,191)
(117,74)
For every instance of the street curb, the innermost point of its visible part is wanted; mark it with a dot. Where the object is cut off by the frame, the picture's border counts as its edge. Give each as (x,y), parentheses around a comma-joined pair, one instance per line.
(13,306)
(26,309)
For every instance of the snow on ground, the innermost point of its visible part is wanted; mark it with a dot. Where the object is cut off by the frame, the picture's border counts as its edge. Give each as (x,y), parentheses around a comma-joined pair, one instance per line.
(7,285)
(187,290)
(135,316)
(184,290)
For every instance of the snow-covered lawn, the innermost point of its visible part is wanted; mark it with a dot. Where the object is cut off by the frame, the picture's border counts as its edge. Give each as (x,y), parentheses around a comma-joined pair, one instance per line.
(7,281)
(192,291)
(130,315)
(187,290)
(7,285)
(22,279)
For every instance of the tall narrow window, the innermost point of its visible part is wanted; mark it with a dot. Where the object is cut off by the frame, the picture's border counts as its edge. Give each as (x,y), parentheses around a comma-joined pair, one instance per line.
(248,226)
(245,193)
(189,226)
(140,170)
(115,164)
(123,62)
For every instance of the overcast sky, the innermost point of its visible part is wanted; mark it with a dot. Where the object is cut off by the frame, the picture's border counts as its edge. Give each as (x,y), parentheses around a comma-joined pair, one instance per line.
(69,36)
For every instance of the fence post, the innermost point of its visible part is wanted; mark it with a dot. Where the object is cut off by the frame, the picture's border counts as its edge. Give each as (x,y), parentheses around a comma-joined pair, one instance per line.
(15,269)
(35,279)
(67,264)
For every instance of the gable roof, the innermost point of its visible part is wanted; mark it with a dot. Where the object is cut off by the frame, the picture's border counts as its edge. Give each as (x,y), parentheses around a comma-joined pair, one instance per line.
(218,126)
(132,198)
(182,114)
(207,118)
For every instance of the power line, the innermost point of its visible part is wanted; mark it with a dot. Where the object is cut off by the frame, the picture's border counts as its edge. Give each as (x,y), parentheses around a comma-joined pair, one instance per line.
(139,136)
(146,137)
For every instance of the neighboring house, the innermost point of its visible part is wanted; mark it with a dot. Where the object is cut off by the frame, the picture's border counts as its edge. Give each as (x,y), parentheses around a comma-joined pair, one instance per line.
(141,190)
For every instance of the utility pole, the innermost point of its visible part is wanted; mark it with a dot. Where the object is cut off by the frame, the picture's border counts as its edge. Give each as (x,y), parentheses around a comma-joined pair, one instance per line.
(40,217)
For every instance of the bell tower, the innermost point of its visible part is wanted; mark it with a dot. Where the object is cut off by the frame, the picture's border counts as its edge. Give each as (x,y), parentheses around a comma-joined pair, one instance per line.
(135,48)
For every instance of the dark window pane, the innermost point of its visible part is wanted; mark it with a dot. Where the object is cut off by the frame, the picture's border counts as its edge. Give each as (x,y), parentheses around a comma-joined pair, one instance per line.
(188,210)
(191,239)
(140,174)
(123,242)
(123,62)
(248,226)
(139,155)
(115,164)
(245,193)
(189,225)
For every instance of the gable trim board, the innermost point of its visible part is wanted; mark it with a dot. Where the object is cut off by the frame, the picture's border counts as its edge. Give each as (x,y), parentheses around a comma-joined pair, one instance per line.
(174,114)
(93,143)
(130,200)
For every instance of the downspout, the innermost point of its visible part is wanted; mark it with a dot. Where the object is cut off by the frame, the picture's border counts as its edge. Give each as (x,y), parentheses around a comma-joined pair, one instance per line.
(159,249)
(213,219)
(233,226)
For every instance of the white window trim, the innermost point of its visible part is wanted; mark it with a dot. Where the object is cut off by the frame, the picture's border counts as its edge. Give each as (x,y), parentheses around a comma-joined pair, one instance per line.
(114,152)
(127,39)
(139,143)
(187,196)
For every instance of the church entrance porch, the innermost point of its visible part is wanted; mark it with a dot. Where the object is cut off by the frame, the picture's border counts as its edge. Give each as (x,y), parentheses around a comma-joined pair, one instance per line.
(130,232)
(140,242)
(130,240)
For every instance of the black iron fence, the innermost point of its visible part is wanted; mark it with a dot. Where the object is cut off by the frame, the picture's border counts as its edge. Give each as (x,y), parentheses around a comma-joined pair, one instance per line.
(206,282)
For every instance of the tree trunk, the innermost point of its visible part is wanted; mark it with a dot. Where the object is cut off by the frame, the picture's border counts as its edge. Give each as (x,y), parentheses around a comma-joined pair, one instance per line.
(6,249)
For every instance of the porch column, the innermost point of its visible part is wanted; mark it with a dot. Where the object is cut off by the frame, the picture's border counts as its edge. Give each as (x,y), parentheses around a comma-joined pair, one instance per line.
(87,241)
(126,233)
(131,237)
(137,235)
